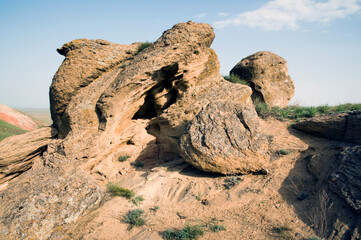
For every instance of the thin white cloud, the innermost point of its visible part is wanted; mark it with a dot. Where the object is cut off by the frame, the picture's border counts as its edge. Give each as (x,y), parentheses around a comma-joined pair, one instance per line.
(202,15)
(281,14)
(223,14)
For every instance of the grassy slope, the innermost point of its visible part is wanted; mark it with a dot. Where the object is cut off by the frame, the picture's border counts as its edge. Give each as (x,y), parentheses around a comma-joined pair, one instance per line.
(7,130)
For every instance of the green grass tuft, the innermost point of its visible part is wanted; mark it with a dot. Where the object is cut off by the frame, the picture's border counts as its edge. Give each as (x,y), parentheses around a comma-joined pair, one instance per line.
(231,182)
(123,158)
(187,233)
(134,218)
(298,112)
(116,190)
(137,200)
(283,232)
(283,152)
(217,228)
(235,79)
(143,46)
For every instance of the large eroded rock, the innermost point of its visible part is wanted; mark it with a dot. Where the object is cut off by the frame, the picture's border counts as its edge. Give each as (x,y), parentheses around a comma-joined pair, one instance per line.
(101,96)
(85,61)
(341,126)
(268,76)
(223,138)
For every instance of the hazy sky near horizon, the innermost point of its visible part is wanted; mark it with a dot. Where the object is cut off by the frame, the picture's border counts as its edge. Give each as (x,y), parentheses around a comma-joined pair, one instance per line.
(320,39)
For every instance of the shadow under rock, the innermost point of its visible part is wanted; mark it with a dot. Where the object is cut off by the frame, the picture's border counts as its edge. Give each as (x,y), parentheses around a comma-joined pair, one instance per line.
(149,159)
(307,189)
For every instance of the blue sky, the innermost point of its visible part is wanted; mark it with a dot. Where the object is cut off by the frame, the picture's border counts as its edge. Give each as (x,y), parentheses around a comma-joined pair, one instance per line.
(321,40)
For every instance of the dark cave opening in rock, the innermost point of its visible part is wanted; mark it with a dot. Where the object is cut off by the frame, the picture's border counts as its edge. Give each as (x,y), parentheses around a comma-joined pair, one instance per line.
(162,95)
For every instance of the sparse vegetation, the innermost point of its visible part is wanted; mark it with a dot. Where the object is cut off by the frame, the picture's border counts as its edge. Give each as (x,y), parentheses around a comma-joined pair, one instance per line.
(143,46)
(7,130)
(155,208)
(319,215)
(231,182)
(137,164)
(283,152)
(134,218)
(217,228)
(116,190)
(123,158)
(235,79)
(187,233)
(282,232)
(298,112)
(137,200)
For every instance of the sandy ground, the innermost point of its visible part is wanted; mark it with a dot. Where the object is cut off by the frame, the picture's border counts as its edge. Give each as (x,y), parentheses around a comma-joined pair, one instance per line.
(253,209)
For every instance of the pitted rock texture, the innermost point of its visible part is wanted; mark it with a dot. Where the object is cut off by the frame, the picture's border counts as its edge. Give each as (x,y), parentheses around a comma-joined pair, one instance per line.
(44,202)
(223,138)
(341,126)
(346,181)
(268,76)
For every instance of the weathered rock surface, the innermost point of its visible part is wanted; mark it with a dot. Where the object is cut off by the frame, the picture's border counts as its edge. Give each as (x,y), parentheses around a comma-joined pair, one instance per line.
(102,97)
(341,126)
(346,181)
(45,201)
(17,118)
(223,138)
(17,153)
(85,61)
(269,78)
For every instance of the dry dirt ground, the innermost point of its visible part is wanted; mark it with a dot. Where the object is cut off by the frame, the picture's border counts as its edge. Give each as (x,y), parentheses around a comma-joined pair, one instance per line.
(286,198)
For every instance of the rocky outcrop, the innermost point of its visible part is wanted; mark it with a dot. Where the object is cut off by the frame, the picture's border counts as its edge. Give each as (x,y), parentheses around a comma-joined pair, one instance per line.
(268,76)
(346,180)
(342,126)
(85,61)
(17,118)
(17,153)
(45,201)
(102,97)
(223,138)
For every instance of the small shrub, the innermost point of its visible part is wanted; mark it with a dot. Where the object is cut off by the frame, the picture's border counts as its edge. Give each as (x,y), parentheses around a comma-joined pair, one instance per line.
(143,46)
(116,190)
(123,158)
(134,218)
(137,164)
(137,200)
(217,228)
(282,232)
(123,65)
(187,233)
(283,152)
(231,182)
(235,79)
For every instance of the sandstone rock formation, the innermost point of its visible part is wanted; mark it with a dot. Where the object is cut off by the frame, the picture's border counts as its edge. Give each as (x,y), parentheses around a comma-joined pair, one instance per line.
(17,118)
(223,138)
(345,181)
(103,97)
(341,126)
(268,76)
(85,61)
(17,153)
